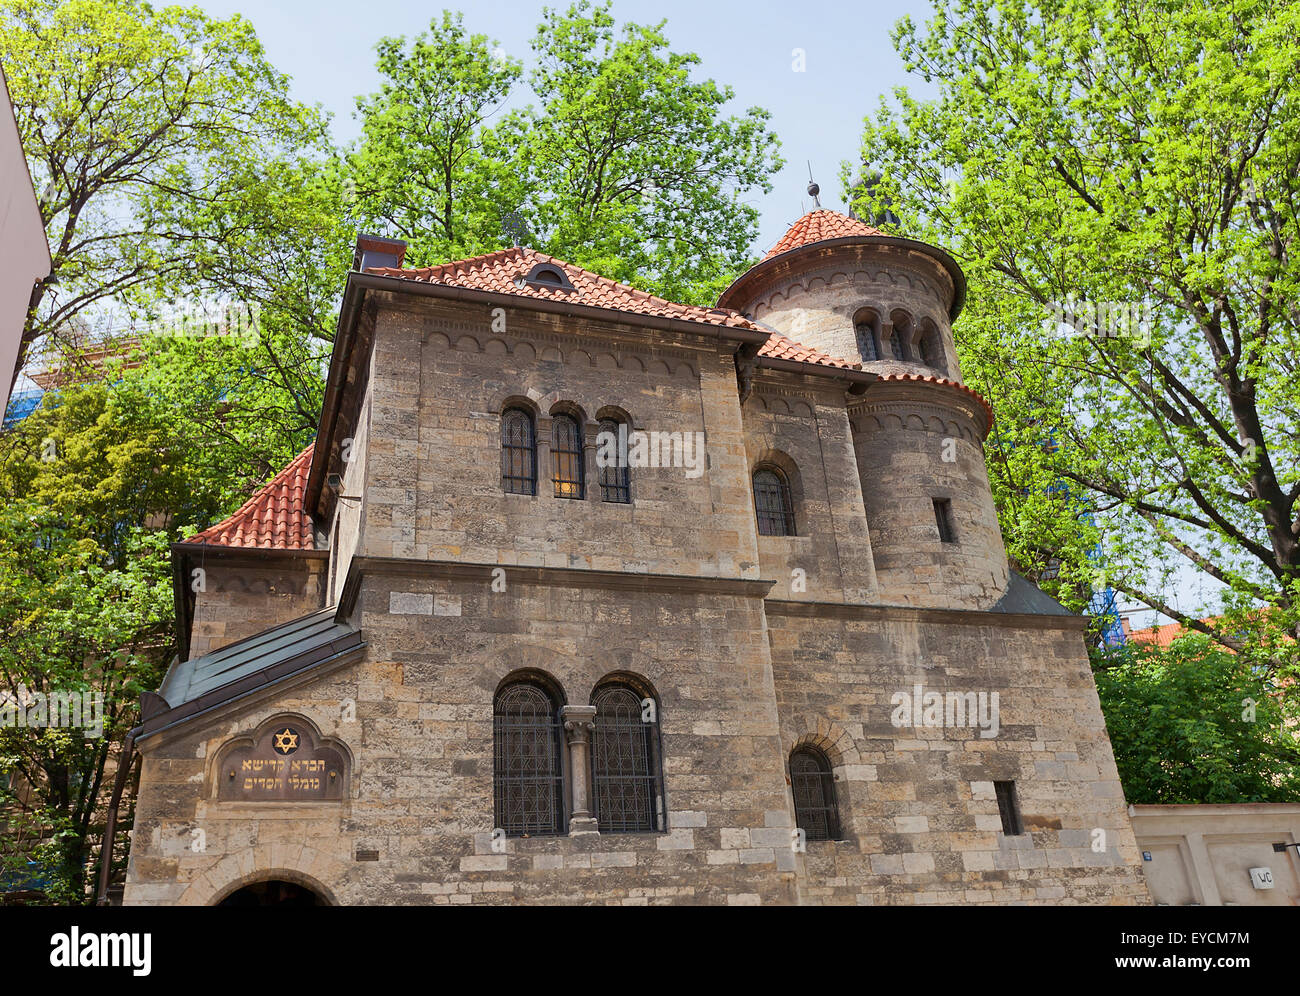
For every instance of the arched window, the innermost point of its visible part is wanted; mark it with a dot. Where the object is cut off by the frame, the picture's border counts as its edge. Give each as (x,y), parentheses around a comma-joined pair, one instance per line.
(566,456)
(901,337)
(527,770)
(813,788)
(615,477)
(866,326)
(518,453)
(930,346)
(626,772)
(772,502)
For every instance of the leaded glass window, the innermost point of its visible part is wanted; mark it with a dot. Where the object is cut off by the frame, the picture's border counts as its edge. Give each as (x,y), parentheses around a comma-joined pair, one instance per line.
(625,762)
(566,457)
(518,453)
(527,771)
(773,504)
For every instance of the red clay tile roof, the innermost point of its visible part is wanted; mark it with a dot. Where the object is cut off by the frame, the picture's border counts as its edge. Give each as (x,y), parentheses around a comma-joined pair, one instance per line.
(498,272)
(1163,636)
(932,379)
(273,519)
(1160,636)
(818,226)
(502,273)
(779,347)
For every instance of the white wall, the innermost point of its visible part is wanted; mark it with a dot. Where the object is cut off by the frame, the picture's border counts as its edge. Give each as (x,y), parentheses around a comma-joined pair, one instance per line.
(1202,855)
(24,253)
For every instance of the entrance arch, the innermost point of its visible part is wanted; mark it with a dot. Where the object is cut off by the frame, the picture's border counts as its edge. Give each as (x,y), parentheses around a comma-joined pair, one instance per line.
(274,892)
(270,885)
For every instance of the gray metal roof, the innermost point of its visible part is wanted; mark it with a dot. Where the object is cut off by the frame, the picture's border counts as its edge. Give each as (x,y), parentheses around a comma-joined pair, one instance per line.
(1023,597)
(241,668)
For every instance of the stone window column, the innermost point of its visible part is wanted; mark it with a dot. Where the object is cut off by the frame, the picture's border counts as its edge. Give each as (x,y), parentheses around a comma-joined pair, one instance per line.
(591,480)
(545,485)
(579,722)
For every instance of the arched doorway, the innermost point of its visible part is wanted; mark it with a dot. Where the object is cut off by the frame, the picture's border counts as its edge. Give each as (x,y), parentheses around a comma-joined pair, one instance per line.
(273,892)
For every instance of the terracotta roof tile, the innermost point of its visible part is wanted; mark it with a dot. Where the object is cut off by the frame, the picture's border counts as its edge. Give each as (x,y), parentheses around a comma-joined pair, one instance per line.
(503,272)
(933,379)
(1160,636)
(818,226)
(273,519)
(780,347)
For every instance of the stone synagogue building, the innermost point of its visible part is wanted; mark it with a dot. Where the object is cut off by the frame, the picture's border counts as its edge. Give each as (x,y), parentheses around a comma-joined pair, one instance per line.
(584,596)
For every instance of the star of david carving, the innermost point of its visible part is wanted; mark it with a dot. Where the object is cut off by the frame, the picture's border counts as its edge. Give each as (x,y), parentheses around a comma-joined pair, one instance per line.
(286,741)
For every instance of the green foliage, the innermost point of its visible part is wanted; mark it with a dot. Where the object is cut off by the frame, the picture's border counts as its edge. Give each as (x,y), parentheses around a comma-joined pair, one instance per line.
(635,173)
(168,158)
(96,484)
(1195,723)
(75,617)
(627,165)
(429,167)
(1091,156)
(238,407)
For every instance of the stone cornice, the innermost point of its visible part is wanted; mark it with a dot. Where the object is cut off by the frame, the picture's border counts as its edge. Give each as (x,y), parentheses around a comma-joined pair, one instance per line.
(799,260)
(911,613)
(567,577)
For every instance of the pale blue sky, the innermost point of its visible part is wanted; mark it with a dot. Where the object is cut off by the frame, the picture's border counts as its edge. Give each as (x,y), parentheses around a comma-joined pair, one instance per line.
(327,47)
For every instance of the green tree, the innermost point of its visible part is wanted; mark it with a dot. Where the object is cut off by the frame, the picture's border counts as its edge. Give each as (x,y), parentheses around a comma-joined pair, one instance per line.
(71,623)
(169,160)
(95,485)
(627,165)
(1119,180)
(1194,723)
(429,167)
(636,171)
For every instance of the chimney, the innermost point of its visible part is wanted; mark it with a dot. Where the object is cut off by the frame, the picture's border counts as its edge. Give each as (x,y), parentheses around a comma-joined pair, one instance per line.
(372,251)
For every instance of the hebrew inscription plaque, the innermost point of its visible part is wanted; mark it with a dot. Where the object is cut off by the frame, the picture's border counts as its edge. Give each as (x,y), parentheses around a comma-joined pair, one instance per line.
(285,764)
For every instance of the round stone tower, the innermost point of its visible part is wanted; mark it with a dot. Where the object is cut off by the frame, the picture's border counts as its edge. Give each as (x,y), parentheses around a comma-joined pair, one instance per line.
(888,303)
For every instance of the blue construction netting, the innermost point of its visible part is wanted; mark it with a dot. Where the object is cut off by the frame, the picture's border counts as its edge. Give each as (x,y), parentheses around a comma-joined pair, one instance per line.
(21,404)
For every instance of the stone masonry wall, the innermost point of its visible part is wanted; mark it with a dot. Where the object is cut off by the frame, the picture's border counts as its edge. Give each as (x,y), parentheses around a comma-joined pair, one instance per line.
(421,744)
(917,804)
(806,434)
(920,820)
(434,490)
(911,451)
(245,596)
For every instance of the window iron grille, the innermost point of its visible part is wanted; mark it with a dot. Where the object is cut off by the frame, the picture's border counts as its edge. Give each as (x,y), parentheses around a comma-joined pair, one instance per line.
(867,346)
(773,504)
(625,764)
(518,453)
(813,788)
(566,457)
(616,481)
(528,773)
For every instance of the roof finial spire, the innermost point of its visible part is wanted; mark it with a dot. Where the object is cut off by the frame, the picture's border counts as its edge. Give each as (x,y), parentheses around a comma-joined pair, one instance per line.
(813,189)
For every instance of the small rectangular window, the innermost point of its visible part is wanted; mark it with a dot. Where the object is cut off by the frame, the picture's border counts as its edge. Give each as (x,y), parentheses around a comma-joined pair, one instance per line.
(1008,808)
(943,518)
